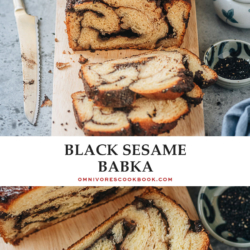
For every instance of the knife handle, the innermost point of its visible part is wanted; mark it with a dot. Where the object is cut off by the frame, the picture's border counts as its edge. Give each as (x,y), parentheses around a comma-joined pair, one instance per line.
(18,5)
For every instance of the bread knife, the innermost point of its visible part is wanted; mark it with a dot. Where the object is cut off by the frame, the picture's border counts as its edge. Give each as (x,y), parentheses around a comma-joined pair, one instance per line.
(29,41)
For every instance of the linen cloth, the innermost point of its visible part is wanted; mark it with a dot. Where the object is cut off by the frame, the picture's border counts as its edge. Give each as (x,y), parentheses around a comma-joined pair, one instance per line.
(236,122)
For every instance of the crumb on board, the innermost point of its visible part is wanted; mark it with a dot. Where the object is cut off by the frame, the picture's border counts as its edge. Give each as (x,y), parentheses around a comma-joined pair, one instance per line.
(80,74)
(56,40)
(30,82)
(50,71)
(68,111)
(46,102)
(160,48)
(64,52)
(60,65)
(82,60)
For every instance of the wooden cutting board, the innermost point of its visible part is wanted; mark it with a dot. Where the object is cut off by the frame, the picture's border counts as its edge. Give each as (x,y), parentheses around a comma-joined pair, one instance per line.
(64,234)
(67,81)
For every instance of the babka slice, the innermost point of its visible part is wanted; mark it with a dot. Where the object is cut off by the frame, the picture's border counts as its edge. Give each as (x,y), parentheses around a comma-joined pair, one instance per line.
(25,210)
(115,24)
(99,121)
(154,117)
(203,75)
(144,117)
(152,221)
(157,75)
(195,96)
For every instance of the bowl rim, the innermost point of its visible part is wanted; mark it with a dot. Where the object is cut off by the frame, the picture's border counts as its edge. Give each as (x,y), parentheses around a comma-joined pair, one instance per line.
(211,231)
(233,82)
(240,84)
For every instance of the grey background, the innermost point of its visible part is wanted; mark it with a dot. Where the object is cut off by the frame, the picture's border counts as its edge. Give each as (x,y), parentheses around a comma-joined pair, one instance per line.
(12,119)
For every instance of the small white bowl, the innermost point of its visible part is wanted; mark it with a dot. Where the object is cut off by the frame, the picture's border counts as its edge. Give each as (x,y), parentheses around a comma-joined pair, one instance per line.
(228,48)
(211,218)
(234,12)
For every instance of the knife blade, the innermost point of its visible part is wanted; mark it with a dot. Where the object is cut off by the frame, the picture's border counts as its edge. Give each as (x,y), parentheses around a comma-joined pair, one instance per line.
(29,42)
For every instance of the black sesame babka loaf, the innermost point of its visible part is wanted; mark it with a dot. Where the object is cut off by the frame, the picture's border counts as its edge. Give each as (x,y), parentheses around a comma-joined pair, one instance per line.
(25,210)
(145,117)
(152,221)
(156,75)
(115,24)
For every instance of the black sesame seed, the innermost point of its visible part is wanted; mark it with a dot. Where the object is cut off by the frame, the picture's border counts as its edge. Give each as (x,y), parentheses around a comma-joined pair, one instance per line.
(233,68)
(234,205)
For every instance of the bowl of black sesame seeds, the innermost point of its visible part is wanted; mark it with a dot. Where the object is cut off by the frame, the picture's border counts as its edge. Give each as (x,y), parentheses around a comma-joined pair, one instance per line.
(230,59)
(225,213)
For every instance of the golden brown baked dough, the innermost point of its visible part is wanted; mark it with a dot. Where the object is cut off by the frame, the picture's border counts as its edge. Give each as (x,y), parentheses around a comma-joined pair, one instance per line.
(203,75)
(195,96)
(158,74)
(152,221)
(155,75)
(25,210)
(145,117)
(114,24)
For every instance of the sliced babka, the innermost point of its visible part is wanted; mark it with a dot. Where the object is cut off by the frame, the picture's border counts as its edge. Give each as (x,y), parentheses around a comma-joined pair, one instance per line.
(152,221)
(154,117)
(25,210)
(203,75)
(157,75)
(99,121)
(144,117)
(115,24)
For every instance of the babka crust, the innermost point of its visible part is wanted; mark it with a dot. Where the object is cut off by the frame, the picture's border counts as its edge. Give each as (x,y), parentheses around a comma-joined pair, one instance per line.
(9,195)
(195,96)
